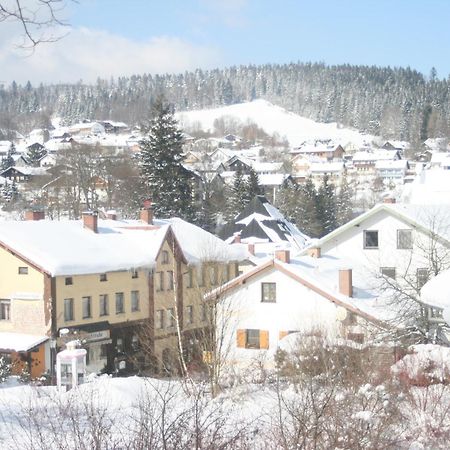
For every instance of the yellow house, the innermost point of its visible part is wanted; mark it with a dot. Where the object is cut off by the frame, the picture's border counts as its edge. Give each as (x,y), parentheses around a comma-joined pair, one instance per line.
(104,282)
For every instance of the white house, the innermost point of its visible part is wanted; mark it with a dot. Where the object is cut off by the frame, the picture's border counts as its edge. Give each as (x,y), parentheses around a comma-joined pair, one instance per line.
(282,296)
(401,241)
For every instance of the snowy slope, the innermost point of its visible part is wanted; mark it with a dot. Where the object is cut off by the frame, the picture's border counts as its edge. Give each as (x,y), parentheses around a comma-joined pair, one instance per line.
(273,119)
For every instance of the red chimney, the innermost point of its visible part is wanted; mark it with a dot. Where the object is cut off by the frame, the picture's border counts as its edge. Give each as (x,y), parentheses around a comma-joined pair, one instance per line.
(345,282)
(389,200)
(237,238)
(90,220)
(314,252)
(146,216)
(251,249)
(283,255)
(34,215)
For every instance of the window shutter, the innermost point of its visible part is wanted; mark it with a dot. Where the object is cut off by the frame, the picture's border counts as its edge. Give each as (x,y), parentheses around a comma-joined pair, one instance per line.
(263,339)
(283,334)
(240,338)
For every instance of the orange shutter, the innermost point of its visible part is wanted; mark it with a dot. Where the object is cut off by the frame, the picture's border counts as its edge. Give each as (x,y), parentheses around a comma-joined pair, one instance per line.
(283,334)
(241,338)
(263,339)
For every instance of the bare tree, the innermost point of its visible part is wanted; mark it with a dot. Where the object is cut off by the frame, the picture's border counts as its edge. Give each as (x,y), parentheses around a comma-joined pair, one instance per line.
(37,18)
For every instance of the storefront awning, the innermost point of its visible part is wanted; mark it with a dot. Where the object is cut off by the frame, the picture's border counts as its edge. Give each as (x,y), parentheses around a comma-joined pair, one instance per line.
(19,342)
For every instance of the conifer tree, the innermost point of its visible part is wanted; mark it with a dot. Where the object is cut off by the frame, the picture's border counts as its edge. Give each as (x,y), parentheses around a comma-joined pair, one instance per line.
(326,205)
(164,178)
(237,195)
(344,209)
(8,161)
(252,186)
(34,154)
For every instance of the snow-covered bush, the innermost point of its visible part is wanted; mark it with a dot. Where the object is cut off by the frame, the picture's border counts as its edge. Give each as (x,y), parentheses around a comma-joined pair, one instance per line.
(5,369)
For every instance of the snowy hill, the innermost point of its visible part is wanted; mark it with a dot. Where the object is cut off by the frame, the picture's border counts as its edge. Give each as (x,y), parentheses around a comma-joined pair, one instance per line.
(273,119)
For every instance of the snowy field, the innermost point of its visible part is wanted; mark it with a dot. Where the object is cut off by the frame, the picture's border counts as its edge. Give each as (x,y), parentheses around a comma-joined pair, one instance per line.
(274,119)
(265,412)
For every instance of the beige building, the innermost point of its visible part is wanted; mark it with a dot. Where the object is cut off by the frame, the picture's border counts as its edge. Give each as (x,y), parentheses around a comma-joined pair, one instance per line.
(126,289)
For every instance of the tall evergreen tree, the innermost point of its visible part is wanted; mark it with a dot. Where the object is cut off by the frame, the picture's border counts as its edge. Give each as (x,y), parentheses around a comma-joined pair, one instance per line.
(34,154)
(237,195)
(165,179)
(252,186)
(344,202)
(8,161)
(326,205)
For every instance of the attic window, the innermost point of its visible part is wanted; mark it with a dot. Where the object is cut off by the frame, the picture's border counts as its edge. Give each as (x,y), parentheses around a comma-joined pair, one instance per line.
(103,277)
(165,257)
(404,239)
(371,239)
(23,270)
(68,281)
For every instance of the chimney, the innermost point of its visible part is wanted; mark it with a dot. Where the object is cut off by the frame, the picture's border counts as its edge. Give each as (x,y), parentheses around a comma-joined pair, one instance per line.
(251,248)
(34,215)
(283,255)
(237,238)
(111,215)
(314,252)
(146,213)
(90,220)
(345,282)
(389,200)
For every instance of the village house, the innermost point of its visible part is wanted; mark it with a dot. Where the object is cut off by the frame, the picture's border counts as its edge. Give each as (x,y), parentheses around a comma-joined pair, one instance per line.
(308,295)
(103,281)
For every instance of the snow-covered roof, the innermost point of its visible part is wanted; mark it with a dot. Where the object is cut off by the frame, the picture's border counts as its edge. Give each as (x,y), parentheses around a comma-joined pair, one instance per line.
(326,167)
(400,164)
(261,222)
(19,342)
(429,187)
(440,158)
(436,292)
(66,248)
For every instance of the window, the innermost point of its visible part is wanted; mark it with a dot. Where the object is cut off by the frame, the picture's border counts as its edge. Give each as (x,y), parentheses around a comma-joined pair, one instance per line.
(159,281)
(171,317)
(164,257)
(134,301)
(252,339)
(119,303)
(104,305)
(268,292)
(160,319)
(103,277)
(189,314)
(435,313)
(104,351)
(190,278)
(86,303)
(404,239)
(170,280)
(213,275)
(422,277)
(201,276)
(226,272)
(5,309)
(68,281)
(23,270)
(204,312)
(134,274)
(68,309)
(388,272)
(370,239)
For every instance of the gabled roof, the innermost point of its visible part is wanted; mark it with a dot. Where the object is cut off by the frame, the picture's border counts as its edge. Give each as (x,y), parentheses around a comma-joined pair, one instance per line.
(307,279)
(427,218)
(261,221)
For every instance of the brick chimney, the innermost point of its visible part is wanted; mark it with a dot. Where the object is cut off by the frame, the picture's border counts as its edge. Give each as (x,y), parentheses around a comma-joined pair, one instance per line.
(389,200)
(34,215)
(283,256)
(237,238)
(345,282)
(146,215)
(90,220)
(251,248)
(111,215)
(314,252)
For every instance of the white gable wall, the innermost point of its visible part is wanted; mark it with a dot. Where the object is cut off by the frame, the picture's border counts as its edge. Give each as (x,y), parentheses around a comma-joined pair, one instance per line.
(297,308)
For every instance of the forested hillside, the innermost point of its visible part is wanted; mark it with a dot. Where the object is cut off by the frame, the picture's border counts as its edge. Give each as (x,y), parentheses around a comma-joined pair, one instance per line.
(395,103)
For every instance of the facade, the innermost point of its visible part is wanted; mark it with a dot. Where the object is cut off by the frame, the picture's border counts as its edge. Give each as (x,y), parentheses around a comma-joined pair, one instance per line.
(283,296)
(104,282)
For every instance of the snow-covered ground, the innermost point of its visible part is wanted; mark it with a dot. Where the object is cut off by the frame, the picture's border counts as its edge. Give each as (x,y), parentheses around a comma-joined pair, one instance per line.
(274,119)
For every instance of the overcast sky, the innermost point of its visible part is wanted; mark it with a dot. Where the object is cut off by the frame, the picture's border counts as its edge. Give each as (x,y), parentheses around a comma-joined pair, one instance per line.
(122,37)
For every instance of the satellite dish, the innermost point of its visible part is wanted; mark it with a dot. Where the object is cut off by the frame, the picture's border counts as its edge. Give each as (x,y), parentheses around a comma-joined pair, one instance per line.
(341,313)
